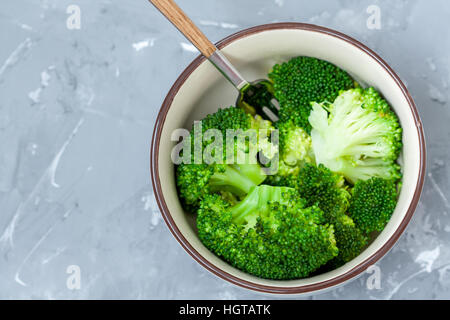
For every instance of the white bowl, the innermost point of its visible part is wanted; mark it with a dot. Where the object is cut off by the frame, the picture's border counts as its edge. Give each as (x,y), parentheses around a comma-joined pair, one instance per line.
(201,89)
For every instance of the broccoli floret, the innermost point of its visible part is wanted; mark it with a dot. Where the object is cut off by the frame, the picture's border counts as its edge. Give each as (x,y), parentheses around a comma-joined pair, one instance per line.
(303,80)
(358,136)
(329,192)
(349,239)
(295,150)
(295,144)
(227,118)
(270,234)
(372,204)
(194,181)
(319,186)
(264,130)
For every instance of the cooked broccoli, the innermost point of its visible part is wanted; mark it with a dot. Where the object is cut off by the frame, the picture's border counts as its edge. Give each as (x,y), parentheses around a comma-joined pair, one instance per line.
(337,179)
(303,80)
(195,180)
(319,186)
(295,150)
(372,203)
(327,190)
(349,239)
(295,144)
(323,188)
(270,234)
(358,136)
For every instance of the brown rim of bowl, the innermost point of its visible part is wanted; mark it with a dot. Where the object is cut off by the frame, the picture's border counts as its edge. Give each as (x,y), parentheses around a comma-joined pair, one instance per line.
(225,275)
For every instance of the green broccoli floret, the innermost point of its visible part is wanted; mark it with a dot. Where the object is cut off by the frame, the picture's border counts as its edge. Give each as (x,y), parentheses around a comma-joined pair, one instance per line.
(303,80)
(195,180)
(326,189)
(323,188)
(358,136)
(295,144)
(319,186)
(295,150)
(270,234)
(349,239)
(372,204)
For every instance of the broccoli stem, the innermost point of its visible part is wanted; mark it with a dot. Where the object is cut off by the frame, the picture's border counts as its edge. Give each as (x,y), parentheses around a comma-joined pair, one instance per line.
(238,182)
(256,203)
(252,171)
(246,207)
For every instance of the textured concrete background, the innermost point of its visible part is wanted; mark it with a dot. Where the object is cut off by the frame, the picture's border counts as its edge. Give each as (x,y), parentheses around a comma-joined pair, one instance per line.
(77,109)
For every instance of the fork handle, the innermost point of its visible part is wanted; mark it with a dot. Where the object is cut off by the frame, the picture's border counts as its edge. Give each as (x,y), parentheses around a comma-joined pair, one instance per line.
(185,25)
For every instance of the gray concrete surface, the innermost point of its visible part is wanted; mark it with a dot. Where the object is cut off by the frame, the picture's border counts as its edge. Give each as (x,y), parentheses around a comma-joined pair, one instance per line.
(77,109)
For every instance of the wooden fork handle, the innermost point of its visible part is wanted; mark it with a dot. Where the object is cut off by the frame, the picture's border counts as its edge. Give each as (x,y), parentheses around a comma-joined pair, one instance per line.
(185,25)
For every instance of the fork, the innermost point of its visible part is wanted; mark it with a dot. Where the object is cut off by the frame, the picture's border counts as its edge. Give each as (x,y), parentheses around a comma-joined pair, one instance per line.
(255,97)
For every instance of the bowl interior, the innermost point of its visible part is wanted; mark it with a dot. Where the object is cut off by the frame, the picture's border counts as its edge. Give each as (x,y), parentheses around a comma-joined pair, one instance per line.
(205,90)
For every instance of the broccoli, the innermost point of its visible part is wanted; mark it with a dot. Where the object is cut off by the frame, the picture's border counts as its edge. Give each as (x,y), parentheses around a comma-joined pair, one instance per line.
(323,188)
(269,234)
(337,179)
(358,136)
(195,180)
(295,144)
(295,150)
(327,190)
(372,203)
(350,240)
(303,80)
(319,186)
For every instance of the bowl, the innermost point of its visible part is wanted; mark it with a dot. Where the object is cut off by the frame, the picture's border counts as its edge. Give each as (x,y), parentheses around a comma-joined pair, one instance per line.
(201,90)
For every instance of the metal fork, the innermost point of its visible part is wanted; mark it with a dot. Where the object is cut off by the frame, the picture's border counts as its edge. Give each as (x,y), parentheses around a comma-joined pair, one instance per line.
(255,97)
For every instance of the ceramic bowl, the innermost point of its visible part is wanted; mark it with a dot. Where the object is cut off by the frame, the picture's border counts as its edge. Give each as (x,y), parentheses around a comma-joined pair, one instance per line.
(201,90)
